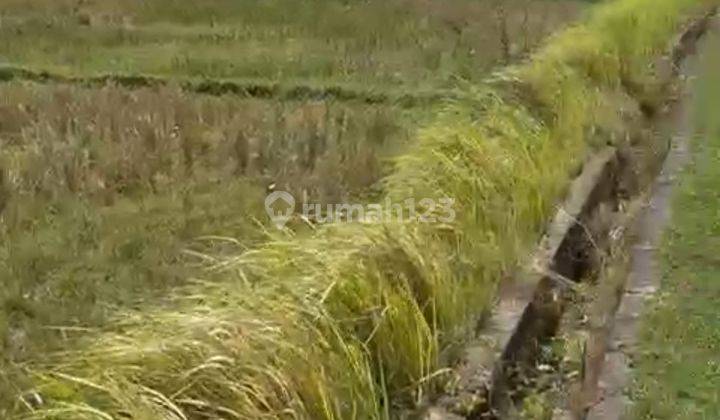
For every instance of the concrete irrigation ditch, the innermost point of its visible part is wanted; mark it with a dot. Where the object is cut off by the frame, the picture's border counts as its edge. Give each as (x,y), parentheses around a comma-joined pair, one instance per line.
(605,216)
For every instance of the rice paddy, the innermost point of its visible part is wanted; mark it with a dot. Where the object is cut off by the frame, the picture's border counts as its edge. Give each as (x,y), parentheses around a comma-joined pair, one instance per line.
(137,189)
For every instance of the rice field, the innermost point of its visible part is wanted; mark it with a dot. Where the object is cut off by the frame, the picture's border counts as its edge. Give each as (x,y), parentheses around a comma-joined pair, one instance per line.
(141,276)
(377,44)
(111,197)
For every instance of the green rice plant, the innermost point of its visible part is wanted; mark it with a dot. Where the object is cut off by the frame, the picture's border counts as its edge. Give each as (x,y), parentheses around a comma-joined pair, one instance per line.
(358,321)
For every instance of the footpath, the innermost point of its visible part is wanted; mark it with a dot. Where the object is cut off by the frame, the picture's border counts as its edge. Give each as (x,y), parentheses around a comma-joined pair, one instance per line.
(676,358)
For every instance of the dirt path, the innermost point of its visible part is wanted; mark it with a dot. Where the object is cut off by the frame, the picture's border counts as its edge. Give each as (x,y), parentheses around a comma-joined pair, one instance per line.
(645,273)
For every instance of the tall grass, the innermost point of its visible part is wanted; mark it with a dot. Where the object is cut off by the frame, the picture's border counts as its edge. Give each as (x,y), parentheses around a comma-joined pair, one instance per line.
(359,320)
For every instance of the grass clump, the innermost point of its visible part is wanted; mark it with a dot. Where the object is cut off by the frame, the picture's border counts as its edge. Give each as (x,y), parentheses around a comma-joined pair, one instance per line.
(359,320)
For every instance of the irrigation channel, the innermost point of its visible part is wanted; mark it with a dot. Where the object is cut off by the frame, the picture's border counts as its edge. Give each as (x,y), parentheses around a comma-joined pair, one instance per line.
(585,286)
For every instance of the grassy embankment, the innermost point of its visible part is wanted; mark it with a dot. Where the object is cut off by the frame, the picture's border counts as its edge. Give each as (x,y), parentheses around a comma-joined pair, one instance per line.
(341,324)
(377,45)
(678,371)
